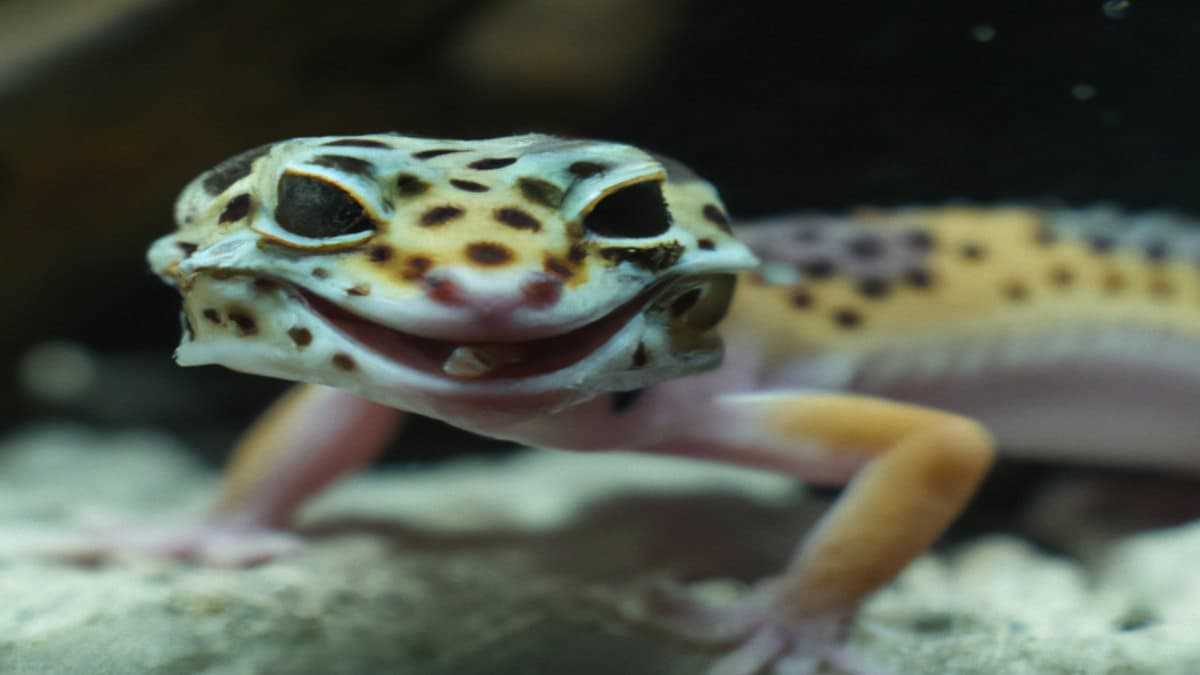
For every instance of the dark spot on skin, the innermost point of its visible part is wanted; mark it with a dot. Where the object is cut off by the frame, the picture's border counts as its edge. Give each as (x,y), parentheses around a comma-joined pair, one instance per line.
(320,273)
(706,244)
(416,267)
(821,268)
(437,152)
(1161,288)
(344,361)
(1062,276)
(919,278)
(802,299)
(714,215)
(357,143)
(654,259)
(443,291)
(409,185)
(557,267)
(517,219)
(490,163)
(919,240)
(874,288)
(301,336)
(1113,281)
(1101,244)
(212,315)
(236,209)
(1016,291)
(575,230)
(681,305)
(489,253)
(584,169)
(440,215)
(624,400)
(640,357)
(542,293)
(263,284)
(1044,235)
(188,248)
(541,192)
(1156,251)
(973,251)
(468,185)
(577,253)
(359,290)
(354,165)
(865,246)
(380,253)
(847,318)
(246,325)
(232,170)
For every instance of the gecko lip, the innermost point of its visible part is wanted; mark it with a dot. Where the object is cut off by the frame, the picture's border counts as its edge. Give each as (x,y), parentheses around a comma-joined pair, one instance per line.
(481,360)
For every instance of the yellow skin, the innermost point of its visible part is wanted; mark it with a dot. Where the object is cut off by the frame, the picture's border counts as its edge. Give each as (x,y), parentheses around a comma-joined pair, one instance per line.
(571,294)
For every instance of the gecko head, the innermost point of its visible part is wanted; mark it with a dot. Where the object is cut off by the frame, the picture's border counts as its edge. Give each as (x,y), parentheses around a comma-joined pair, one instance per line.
(413,271)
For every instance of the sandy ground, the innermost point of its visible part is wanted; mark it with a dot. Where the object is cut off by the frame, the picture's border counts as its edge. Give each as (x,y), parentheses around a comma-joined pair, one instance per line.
(531,565)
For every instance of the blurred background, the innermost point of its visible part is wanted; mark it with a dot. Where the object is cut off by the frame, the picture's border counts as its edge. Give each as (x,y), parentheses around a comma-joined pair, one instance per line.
(107,107)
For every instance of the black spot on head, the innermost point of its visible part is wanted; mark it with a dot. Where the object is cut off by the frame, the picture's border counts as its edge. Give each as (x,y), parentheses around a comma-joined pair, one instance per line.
(212,315)
(489,163)
(557,267)
(635,211)
(1100,243)
(846,318)
(380,253)
(577,253)
(874,288)
(320,273)
(301,336)
(437,152)
(973,251)
(866,246)
(409,185)
(415,267)
(919,240)
(1157,251)
(919,277)
(311,207)
(714,215)
(187,247)
(468,185)
(244,320)
(232,170)
(1062,276)
(359,290)
(584,169)
(344,361)
(541,192)
(802,299)
(517,219)
(440,215)
(1015,291)
(354,165)
(236,209)
(820,268)
(357,143)
(624,400)
(489,253)
(1113,281)
(706,244)
(265,285)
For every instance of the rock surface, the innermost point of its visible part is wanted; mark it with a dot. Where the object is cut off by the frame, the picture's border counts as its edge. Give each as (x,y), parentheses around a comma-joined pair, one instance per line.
(529,565)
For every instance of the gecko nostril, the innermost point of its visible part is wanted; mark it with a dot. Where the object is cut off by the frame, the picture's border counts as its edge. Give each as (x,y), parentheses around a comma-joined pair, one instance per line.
(443,291)
(541,291)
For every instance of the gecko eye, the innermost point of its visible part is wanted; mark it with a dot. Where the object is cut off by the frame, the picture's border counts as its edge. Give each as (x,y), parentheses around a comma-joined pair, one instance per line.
(317,209)
(638,210)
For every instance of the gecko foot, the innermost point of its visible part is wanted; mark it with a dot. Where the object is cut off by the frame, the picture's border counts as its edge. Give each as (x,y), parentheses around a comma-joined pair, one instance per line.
(213,543)
(759,638)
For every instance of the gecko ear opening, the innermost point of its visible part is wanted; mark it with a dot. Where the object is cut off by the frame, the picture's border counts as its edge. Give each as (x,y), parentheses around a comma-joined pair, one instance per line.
(635,211)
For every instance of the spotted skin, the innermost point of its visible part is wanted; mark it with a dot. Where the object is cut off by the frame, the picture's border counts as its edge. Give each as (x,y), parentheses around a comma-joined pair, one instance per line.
(591,296)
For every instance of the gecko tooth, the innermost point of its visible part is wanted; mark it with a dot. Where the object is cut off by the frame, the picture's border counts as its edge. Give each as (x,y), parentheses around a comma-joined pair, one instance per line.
(479,360)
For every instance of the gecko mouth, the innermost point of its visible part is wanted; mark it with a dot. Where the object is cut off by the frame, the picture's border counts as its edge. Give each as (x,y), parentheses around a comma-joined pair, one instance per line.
(481,360)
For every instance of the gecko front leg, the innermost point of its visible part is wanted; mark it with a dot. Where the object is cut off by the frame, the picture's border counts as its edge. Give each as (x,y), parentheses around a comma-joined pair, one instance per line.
(309,438)
(913,468)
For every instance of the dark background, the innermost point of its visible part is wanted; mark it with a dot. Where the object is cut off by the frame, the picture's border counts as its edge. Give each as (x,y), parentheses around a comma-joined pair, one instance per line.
(846,104)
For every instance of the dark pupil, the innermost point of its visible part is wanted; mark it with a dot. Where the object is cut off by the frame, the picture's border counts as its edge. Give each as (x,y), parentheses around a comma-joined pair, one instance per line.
(311,207)
(636,211)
